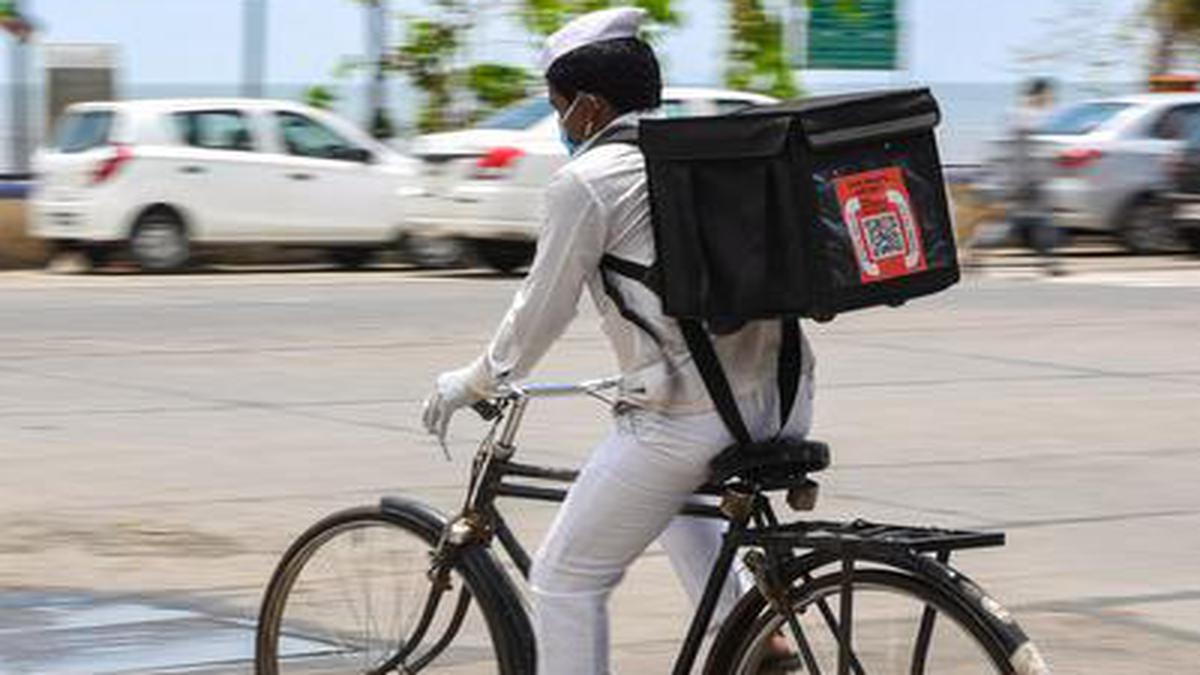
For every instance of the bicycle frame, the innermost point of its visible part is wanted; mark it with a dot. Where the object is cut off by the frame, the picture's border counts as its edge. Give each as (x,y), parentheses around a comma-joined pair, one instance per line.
(504,468)
(752,524)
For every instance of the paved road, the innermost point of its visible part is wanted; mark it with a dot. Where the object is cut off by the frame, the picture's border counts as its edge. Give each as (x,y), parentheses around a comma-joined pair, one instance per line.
(163,438)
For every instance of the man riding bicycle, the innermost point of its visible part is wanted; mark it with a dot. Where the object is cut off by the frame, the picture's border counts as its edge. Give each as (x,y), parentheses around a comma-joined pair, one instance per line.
(602,79)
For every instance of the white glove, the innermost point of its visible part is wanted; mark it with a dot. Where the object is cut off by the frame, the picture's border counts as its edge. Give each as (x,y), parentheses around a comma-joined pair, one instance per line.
(454,389)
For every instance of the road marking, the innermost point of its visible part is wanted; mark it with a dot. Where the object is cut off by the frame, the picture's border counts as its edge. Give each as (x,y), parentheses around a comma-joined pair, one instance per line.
(69,633)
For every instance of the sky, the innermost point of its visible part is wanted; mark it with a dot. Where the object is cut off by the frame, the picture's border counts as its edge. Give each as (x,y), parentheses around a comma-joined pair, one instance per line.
(198,41)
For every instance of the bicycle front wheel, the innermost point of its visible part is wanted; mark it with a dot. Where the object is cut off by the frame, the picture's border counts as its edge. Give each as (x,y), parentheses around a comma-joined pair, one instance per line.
(354,595)
(899,626)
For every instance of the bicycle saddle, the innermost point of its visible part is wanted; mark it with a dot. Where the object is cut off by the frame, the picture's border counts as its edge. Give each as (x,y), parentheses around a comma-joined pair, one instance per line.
(775,464)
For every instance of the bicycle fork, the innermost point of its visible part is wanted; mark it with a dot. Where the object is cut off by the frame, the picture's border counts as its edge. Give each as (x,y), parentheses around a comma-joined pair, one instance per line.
(463,530)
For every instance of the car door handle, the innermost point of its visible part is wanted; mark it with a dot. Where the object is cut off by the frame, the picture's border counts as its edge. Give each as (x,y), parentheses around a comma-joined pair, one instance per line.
(301,176)
(192,169)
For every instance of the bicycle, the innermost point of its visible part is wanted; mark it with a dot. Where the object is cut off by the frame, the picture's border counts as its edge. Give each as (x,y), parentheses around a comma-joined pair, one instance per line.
(851,597)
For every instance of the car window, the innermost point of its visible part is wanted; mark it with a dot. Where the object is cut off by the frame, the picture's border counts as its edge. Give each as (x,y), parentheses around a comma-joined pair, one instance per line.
(727,105)
(1081,119)
(674,108)
(1176,123)
(82,131)
(215,130)
(306,137)
(519,116)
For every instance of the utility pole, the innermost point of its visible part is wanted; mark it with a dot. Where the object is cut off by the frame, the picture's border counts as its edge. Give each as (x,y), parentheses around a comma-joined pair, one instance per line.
(794,17)
(376,44)
(19,95)
(254,47)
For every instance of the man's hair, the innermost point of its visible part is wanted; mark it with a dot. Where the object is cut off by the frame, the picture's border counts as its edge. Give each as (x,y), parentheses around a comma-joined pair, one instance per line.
(623,71)
(1038,86)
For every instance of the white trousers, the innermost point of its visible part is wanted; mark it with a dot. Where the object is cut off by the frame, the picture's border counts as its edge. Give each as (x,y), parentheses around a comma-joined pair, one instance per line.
(628,493)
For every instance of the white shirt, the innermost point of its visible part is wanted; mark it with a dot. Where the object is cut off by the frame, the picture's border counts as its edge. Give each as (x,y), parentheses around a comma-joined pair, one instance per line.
(598,203)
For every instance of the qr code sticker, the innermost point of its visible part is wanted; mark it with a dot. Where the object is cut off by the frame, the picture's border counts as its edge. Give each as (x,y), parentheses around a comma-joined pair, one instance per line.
(885,237)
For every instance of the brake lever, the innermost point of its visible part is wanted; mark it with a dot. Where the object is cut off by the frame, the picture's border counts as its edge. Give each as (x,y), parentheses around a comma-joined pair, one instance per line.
(486,409)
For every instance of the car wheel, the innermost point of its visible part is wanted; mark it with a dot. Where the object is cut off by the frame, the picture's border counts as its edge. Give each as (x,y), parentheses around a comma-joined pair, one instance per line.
(434,252)
(159,242)
(97,256)
(350,258)
(1191,236)
(505,256)
(1146,228)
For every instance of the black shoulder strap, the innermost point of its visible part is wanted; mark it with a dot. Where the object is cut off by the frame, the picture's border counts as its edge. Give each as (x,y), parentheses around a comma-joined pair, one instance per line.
(790,360)
(623,309)
(637,272)
(646,275)
(714,378)
(694,335)
(791,366)
(622,133)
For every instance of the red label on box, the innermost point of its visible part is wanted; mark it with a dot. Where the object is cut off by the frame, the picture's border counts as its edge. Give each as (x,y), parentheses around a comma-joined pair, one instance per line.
(879,218)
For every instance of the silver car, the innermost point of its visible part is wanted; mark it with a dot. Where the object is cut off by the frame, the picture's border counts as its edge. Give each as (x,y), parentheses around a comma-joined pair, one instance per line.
(1109,158)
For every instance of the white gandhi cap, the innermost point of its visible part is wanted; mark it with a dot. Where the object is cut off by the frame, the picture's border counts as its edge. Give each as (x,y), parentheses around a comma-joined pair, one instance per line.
(606,24)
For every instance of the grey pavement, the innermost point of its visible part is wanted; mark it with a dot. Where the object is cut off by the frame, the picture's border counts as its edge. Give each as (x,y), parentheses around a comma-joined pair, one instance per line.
(163,438)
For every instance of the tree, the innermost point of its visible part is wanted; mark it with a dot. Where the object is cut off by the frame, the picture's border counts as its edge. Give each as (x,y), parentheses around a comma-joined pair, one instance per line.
(319,96)
(426,56)
(543,17)
(1174,21)
(430,55)
(431,51)
(377,14)
(497,85)
(15,22)
(757,59)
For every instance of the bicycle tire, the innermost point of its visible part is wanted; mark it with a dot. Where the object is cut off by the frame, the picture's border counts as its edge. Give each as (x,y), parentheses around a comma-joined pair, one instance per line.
(739,647)
(482,581)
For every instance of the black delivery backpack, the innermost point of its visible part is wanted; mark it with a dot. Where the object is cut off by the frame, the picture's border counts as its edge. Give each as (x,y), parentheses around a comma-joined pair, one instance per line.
(804,209)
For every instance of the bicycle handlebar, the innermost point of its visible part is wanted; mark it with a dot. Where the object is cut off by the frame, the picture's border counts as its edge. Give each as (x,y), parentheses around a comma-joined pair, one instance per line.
(490,410)
(548,389)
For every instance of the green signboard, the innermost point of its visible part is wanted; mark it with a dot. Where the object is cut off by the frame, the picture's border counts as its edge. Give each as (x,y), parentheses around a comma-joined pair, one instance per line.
(851,35)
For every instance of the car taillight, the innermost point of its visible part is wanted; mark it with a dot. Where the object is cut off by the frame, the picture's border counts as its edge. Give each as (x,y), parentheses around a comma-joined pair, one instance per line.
(109,166)
(1077,158)
(497,162)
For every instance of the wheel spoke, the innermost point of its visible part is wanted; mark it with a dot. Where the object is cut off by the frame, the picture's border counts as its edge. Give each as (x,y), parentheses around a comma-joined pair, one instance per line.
(846,616)
(356,599)
(924,633)
(873,630)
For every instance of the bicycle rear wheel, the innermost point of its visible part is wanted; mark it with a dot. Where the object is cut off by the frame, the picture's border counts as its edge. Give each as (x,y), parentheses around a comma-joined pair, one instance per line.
(900,626)
(353,595)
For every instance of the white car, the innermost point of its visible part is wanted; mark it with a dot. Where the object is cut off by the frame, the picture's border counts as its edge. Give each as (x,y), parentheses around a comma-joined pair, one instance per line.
(1109,158)
(159,178)
(483,186)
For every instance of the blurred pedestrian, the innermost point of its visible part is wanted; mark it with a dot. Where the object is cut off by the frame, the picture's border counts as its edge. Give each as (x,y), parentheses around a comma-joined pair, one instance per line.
(1029,209)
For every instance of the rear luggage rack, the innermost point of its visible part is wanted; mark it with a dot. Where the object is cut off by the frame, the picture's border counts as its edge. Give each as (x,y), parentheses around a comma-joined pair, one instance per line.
(860,535)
